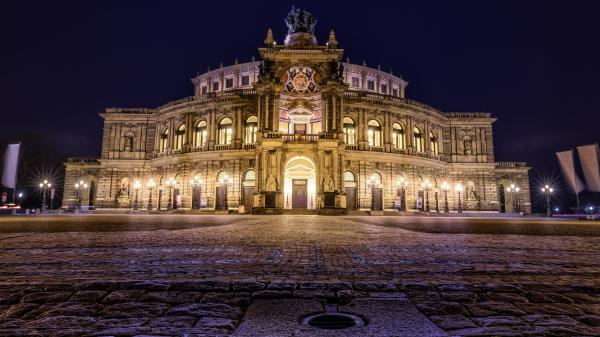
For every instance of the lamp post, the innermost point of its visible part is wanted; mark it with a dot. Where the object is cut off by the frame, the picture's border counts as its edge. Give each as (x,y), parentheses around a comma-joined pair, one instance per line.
(150,185)
(195,183)
(44,186)
(459,188)
(401,192)
(514,190)
(426,185)
(136,186)
(20,196)
(79,187)
(547,191)
(170,184)
(446,188)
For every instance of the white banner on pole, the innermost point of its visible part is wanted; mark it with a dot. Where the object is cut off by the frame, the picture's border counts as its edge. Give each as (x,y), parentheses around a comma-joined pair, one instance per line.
(588,155)
(567,165)
(9,169)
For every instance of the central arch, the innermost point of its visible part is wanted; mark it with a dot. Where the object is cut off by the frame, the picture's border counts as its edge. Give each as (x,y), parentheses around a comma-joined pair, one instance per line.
(300,183)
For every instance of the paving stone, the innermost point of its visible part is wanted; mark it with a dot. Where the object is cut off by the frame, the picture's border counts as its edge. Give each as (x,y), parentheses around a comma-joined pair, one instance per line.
(77,332)
(551,309)
(542,287)
(134,309)
(20,332)
(232,298)
(450,322)
(248,286)
(62,322)
(314,294)
(141,285)
(18,310)
(503,297)
(272,294)
(345,296)
(375,286)
(174,321)
(216,322)
(88,296)
(122,296)
(10,297)
(455,287)
(459,296)
(187,332)
(497,288)
(48,287)
(547,297)
(281,285)
(583,297)
(591,320)
(64,309)
(109,323)
(549,320)
(332,286)
(45,297)
(584,288)
(205,310)
(423,295)
(499,321)
(199,286)
(11,323)
(593,309)
(97,285)
(416,286)
(173,297)
(437,308)
(121,331)
(497,331)
(483,309)
(383,294)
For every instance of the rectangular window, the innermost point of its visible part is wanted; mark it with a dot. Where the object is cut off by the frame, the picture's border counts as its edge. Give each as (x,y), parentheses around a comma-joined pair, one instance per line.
(204,90)
(215,86)
(384,89)
(355,82)
(371,85)
(246,80)
(395,92)
(229,83)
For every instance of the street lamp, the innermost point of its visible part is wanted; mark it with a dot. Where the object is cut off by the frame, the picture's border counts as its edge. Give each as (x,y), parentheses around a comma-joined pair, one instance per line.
(446,188)
(514,190)
(401,192)
(79,187)
(171,182)
(195,183)
(136,186)
(150,185)
(44,186)
(20,196)
(547,191)
(426,185)
(459,188)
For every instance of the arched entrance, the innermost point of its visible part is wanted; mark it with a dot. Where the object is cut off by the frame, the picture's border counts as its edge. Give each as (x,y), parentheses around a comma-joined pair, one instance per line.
(300,183)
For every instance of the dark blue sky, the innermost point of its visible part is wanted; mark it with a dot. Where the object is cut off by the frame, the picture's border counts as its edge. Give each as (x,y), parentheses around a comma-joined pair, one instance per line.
(533,64)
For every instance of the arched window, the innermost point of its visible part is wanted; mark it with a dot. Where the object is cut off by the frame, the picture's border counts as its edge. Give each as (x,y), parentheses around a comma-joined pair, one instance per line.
(417,139)
(349,176)
(398,136)
(180,137)
(250,175)
(200,134)
(433,143)
(375,179)
(163,141)
(225,130)
(374,133)
(349,133)
(251,127)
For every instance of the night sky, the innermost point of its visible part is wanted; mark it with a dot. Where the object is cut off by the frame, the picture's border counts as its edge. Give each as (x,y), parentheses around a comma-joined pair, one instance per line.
(535,65)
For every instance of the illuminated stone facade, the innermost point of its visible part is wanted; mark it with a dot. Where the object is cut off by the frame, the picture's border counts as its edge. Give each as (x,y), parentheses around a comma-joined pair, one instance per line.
(300,128)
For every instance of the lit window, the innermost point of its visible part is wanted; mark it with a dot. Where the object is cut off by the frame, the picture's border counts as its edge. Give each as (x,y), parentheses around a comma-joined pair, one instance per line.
(251,127)
(433,143)
(225,131)
(355,82)
(246,80)
(349,176)
(384,88)
(371,85)
(250,175)
(204,90)
(215,86)
(374,133)
(180,137)
(417,139)
(200,134)
(349,131)
(229,83)
(398,136)
(163,141)
(395,92)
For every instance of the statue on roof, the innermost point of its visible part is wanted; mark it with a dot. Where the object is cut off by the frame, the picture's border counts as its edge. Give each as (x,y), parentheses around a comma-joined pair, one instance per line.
(301,28)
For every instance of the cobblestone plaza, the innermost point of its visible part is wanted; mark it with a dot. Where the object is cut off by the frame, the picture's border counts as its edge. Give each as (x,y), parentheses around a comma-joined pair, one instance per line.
(174,274)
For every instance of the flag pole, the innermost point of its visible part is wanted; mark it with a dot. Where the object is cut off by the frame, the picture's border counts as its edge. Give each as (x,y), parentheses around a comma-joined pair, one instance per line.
(16,174)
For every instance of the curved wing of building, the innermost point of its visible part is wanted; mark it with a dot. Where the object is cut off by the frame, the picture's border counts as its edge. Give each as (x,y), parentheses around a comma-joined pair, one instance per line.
(300,128)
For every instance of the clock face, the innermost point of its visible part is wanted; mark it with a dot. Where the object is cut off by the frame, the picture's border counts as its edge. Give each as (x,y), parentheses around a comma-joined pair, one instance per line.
(300,80)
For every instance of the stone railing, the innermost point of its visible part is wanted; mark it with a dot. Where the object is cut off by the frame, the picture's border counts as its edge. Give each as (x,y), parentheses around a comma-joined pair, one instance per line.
(510,164)
(221,147)
(300,138)
(352,147)
(248,146)
(82,160)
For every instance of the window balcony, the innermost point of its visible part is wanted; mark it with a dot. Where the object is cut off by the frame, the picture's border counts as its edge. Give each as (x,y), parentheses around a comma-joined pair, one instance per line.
(221,147)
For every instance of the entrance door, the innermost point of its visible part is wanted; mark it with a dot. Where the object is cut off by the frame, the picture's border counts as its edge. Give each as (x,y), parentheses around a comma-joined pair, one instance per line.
(377,200)
(196,195)
(221,202)
(299,193)
(248,198)
(176,198)
(300,129)
(351,198)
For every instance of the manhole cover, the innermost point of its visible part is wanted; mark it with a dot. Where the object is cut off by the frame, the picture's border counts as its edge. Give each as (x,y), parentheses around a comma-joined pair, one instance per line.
(333,321)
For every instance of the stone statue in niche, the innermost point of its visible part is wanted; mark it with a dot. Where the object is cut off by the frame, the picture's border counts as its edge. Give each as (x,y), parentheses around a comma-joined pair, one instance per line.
(271,183)
(328,184)
(467,145)
(128,144)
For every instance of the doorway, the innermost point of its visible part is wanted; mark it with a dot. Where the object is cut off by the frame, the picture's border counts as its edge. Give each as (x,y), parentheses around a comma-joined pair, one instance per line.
(300,183)
(299,195)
